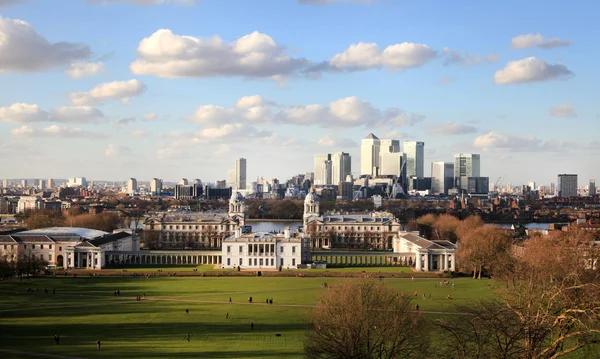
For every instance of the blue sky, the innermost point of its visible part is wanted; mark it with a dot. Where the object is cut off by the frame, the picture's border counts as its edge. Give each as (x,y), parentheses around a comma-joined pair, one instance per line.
(514,81)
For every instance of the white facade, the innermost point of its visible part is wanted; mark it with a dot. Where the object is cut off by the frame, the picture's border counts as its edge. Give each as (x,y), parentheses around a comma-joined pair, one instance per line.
(369,155)
(341,166)
(415,152)
(321,173)
(265,250)
(428,255)
(390,164)
(442,177)
(75,182)
(156,185)
(29,203)
(132,186)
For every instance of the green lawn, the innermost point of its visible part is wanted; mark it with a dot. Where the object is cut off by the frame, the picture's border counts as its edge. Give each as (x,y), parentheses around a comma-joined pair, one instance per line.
(84,310)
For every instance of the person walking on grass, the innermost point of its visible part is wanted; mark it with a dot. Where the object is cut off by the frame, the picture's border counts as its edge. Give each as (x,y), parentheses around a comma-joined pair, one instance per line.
(98,344)
(188,337)
(229,299)
(187,312)
(252,325)
(227,315)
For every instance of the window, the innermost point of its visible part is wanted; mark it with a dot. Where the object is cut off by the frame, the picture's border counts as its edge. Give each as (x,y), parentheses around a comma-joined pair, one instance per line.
(272,262)
(50,257)
(41,246)
(41,257)
(5,247)
(293,261)
(60,249)
(33,246)
(228,261)
(50,246)
(249,261)
(241,249)
(240,261)
(293,249)
(261,262)
(255,261)
(281,249)
(281,262)
(228,249)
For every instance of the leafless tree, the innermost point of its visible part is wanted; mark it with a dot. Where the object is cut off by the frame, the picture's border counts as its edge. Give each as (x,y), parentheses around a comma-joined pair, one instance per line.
(365,319)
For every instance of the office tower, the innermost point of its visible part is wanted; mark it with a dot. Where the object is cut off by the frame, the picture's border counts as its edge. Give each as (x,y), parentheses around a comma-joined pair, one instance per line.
(320,169)
(442,177)
(532,185)
(369,155)
(508,187)
(415,160)
(50,183)
(221,184)
(183,182)
(567,185)
(592,187)
(341,166)
(4,183)
(156,185)
(42,184)
(185,191)
(552,188)
(240,173)
(389,146)
(77,182)
(390,163)
(231,178)
(465,165)
(310,176)
(197,182)
(132,186)
(24,183)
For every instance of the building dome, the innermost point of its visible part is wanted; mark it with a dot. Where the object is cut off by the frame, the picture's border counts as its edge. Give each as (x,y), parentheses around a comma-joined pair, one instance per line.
(311,197)
(236,196)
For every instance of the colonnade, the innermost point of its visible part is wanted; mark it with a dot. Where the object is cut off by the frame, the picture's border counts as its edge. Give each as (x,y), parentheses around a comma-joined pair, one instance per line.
(168,258)
(361,260)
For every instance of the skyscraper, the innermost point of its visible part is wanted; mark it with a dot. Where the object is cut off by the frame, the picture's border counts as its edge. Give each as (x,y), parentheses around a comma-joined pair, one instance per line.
(5,183)
(415,160)
(132,186)
(390,146)
(369,155)
(155,187)
(466,165)
(390,163)
(442,177)
(183,182)
(240,173)
(231,178)
(24,183)
(50,183)
(341,166)
(320,168)
(592,187)
(567,185)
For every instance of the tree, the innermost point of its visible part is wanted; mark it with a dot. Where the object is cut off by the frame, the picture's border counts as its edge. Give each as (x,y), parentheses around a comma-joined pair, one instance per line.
(483,249)
(43,218)
(365,319)
(151,239)
(444,227)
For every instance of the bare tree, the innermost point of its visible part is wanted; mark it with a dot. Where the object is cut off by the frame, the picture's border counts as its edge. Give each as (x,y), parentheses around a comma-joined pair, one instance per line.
(365,319)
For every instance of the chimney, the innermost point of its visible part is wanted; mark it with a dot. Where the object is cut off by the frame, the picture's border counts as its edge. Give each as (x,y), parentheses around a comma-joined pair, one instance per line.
(287,232)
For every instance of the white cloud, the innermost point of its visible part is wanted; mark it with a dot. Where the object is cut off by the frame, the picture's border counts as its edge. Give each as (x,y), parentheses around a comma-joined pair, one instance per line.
(330,141)
(77,114)
(515,143)
(364,56)
(116,150)
(563,110)
(79,70)
(54,131)
(526,41)
(124,122)
(465,59)
(22,49)
(397,135)
(530,70)
(165,54)
(450,128)
(151,116)
(23,113)
(139,133)
(116,90)
(231,131)
(250,101)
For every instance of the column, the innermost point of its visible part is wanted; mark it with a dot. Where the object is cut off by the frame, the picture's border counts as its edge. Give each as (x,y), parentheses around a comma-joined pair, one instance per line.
(418,261)
(453,262)
(426,263)
(445,256)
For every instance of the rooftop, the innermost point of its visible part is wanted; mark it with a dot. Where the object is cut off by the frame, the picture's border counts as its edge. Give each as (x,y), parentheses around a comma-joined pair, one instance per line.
(64,232)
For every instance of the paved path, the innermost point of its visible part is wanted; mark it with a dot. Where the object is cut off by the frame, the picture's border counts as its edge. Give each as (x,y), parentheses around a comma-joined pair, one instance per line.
(42,355)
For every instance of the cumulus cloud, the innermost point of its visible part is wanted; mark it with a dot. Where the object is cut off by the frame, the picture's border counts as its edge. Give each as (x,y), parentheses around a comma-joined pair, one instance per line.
(151,116)
(530,70)
(397,135)
(79,70)
(330,141)
(563,110)
(124,122)
(31,113)
(527,41)
(22,49)
(116,150)
(515,143)
(116,90)
(465,59)
(165,54)
(54,131)
(364,56)
(345,112)
(450,128)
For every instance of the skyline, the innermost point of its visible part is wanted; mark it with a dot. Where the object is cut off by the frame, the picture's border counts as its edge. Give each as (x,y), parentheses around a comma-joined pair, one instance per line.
(167,98)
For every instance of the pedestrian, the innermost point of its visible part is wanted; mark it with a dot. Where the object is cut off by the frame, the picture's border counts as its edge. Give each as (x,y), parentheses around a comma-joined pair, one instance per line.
(229,299)
(271,301)
(55,339)
(144,295)
(187,311)
(53,291)
(98,344)
(227,315)
(452,285)
(417,307)
(252,325)
(267,301)
(188,337)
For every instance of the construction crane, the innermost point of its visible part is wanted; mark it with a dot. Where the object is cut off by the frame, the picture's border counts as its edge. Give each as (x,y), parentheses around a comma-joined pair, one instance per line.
(498,183)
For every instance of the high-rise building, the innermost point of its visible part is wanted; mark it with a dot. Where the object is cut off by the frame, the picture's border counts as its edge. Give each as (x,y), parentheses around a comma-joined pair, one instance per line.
(320,168)
(415,160)
(592,187)
(310,176)
(24,183)
(42,184)
(466,165)
(5,183)
(184,191)
(50,183)
(508,187)
(567,185)
(77,182)
(183,182)
(390,146)
(231,178)
(369,155)
(156,185)
(442,177)
(390,163)
(552,189)
(240,173)
(532,186)
(132,186)
(341,166)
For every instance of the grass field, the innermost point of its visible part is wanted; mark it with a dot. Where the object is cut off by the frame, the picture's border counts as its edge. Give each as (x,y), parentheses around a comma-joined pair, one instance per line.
(84,310)
(211,268)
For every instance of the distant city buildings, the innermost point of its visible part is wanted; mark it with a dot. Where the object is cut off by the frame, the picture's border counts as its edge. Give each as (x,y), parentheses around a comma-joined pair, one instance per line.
(567,185)
(132,186)
(156,186)
(240,173)
(592,187)
(415,157)
(77,182)
(467,174)
(442,177)
(331,168)
(369,155)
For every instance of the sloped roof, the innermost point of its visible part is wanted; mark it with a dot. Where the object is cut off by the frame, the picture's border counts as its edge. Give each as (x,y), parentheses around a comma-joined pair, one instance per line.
(420,241)
(109,238)
(65,232)
(371,136)
(7,239)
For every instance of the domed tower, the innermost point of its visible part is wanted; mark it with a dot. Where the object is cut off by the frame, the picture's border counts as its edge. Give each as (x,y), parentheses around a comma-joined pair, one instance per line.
(236,207)
(311,206)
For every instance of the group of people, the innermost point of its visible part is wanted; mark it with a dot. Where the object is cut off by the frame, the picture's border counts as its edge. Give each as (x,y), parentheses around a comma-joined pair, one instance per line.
(57,341)
(269,301)
(117,293)
(139,297)
(446,283)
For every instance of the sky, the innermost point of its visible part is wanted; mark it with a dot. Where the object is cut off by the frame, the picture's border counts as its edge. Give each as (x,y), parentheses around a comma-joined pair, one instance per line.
(112,89)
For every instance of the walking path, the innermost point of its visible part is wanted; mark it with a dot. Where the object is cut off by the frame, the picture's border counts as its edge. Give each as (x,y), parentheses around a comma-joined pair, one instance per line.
(42,355)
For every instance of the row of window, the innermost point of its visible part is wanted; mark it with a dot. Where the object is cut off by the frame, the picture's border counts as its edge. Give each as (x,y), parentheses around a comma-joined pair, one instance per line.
(260,262)
(195,227)
(260,249)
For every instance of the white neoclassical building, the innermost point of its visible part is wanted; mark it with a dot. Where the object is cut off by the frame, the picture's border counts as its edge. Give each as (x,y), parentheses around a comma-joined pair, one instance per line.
(197,230)
(66,247)
(264,250)
(426,255)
